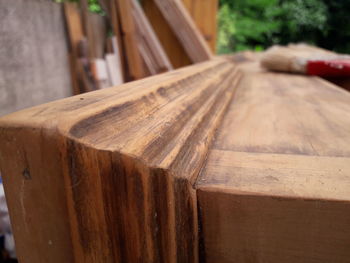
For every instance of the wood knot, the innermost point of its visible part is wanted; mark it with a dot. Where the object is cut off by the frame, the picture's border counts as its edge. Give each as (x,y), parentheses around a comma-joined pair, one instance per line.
(26,174)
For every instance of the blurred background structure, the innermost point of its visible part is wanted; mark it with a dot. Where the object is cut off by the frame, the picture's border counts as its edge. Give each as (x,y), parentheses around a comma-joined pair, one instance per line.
(258,24)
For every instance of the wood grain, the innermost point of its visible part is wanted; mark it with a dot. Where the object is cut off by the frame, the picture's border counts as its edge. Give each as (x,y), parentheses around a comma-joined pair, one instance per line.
(119,168)
(245,227)
(276,185)
(288,114)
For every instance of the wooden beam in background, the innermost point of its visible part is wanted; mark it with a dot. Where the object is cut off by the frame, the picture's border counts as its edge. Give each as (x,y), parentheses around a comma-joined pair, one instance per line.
(204,14)
(169,41)
(128,31)
(97,34)
(150,48)
(185,29)
(75,35)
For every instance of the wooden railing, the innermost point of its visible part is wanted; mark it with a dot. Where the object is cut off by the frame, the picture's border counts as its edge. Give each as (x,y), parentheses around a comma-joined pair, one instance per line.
(108,176)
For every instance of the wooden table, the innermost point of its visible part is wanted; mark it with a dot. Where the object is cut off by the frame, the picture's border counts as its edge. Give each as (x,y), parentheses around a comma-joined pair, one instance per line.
(210,163)
(276,185)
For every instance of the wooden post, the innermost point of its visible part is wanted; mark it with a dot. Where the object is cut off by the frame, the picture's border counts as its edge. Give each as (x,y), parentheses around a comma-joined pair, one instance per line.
(128,30)
(108,176)
(204,14)
(169,41)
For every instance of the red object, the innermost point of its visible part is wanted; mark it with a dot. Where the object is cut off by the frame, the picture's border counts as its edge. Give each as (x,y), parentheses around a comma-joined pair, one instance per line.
(328,68)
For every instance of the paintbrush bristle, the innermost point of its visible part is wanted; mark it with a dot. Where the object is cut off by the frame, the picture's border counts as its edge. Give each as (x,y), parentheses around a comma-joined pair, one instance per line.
(283,59)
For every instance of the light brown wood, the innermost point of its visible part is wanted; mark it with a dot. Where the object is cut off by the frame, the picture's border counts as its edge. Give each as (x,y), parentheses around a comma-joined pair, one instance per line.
(73,19)
(116,40)
(75,33)
(128,30)
(87,27)
(172,46)
(117,168)
(276,184)
(185,29)
(172,169)
(245,227)
(204,14)
(184,46)
(150,48)
(97,34)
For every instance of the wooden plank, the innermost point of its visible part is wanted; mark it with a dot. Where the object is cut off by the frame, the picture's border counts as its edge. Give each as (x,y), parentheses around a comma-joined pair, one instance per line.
(75,33)
(79,51)
(128,30)
(150,48)
(116,40)
(83,64)
(204,14)
(118,181)
(97,34)
(185,29)
(172,46)
(75,28)
(273,229)
(87,27)
(275,187)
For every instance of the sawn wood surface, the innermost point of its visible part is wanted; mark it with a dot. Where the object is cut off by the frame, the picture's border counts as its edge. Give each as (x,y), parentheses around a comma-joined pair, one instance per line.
(108,176)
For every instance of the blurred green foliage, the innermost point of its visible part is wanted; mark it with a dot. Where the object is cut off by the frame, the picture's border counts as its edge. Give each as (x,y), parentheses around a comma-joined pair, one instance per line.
(258,24)
(94,5)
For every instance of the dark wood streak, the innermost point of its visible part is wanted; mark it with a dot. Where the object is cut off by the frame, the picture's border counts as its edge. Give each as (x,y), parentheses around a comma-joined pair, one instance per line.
(130,161)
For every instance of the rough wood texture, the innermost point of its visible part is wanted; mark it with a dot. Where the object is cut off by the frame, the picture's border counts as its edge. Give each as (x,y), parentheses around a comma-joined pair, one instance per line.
(276,184)
(108,176)
(204,14)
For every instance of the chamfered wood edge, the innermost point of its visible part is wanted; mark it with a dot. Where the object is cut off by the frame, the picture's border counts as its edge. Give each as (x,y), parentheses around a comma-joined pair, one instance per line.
(234,192)
(142,203)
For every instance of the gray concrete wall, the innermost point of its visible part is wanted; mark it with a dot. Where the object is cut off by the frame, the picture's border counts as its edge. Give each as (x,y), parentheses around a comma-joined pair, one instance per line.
(33,54)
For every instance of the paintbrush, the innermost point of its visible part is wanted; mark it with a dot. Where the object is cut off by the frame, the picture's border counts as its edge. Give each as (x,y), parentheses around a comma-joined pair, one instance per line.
(304,59)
